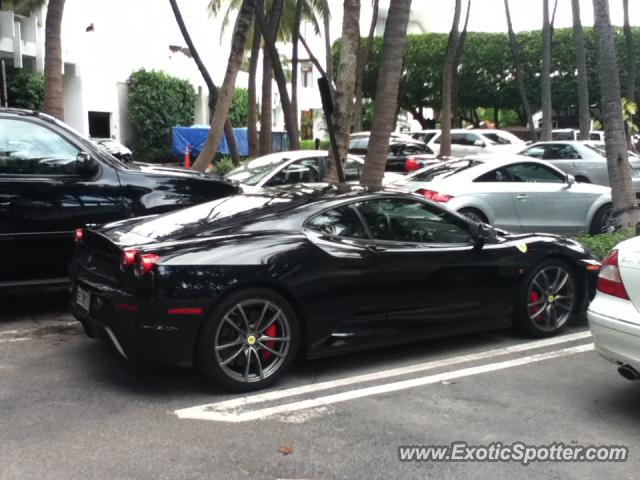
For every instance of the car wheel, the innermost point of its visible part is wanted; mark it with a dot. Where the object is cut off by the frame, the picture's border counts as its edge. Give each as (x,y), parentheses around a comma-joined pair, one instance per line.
(602,221)
(474,214)
(548,299)
(249,340)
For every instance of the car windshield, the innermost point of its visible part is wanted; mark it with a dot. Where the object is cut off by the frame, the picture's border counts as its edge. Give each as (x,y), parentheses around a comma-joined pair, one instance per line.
(597,147)
(438,172)
(256,170)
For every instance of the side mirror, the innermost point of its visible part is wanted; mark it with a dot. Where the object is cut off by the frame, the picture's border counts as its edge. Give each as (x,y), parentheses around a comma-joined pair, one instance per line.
(570,179)
(479,143)
(86,165)
(481,233)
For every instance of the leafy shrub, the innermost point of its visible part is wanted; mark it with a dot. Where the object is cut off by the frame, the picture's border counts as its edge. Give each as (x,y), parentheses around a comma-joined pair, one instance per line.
(223,166)
(158,102)
(238,113)
(25,89)
(601,244)
(311,145)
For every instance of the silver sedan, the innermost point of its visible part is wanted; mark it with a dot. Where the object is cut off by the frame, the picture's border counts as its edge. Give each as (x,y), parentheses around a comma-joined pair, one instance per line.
(584,160)
(515,194)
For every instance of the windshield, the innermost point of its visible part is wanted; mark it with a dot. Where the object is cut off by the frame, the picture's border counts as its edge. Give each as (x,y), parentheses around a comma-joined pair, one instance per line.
(438,172)
(256,170)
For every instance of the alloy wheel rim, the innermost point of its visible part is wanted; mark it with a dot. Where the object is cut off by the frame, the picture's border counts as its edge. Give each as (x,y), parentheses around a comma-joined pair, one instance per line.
(607,222)
(473,216)
(252,341)
(551,298)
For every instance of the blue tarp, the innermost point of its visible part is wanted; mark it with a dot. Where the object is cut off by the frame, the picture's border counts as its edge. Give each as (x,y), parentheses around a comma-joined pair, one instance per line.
(197,135)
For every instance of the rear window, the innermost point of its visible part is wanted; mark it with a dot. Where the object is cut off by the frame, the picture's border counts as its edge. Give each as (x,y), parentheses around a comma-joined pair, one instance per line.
(438,172)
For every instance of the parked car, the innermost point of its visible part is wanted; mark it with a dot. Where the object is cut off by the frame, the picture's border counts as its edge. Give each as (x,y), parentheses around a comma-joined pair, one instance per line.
(424,135)
(52,180)
(573,134)
(295,167)
(115,148)
(586,161)
(478,141)
(240,285)
(613,314)
(516,194)
(405,155)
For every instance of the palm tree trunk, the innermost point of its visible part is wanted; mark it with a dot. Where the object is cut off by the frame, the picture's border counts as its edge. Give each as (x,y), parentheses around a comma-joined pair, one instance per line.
(625,209)
(457,120)
(363,60)
(346,83)
(53,86)
(583,74)
(294,58)
(327,49)
(447,83)
(269,38)
(631,59)
(265,104)
(519,68)
(252,107)
(213,91)
(547,110)
(391,57)
(225,94)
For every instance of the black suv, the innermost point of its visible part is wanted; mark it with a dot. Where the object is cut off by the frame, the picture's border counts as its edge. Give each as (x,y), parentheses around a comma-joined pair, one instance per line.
(52,181)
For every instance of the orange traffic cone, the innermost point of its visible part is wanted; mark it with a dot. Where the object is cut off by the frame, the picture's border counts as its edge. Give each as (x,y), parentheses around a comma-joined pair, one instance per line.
(187,157)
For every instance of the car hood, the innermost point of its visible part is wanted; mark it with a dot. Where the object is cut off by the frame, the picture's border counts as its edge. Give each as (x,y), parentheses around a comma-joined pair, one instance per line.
(166,171)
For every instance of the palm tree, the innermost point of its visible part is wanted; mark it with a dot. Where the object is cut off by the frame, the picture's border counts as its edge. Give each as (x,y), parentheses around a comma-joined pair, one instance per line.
(583,74)
(211,87)
(457,121)
(363,60)
(625,208)
(520,74)
(547,113)
(631,59)
(393,47)
(447,83)
(53,87)
(346,82)
(225,94)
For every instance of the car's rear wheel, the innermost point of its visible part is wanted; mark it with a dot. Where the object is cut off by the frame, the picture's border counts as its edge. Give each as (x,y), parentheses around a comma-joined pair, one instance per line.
(548,299)
(602,221)
(249,340)
(474,214)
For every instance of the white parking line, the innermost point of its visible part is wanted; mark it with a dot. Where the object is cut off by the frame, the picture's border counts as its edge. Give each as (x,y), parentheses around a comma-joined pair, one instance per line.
(223,410)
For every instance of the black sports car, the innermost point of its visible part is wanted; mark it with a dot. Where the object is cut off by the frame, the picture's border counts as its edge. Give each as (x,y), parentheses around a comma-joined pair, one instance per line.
(240,285)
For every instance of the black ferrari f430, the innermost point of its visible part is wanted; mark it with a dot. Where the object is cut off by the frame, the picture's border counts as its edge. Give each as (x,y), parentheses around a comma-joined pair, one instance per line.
(239,286)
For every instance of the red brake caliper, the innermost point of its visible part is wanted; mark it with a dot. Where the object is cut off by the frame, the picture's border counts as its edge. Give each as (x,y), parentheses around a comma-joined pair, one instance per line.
(271,332)
(533,298)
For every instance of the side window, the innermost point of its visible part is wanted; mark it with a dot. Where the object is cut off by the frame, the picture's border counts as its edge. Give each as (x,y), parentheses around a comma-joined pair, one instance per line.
(340,222)
(30,149)
(352,170)
(404,220)
(533,173)
(498,175)
(458,139)
(472,138)
(534,152)
(564,152)
(302,171)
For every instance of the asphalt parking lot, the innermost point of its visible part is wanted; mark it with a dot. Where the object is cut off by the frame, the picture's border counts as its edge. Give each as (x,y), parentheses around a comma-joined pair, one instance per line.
(72,409)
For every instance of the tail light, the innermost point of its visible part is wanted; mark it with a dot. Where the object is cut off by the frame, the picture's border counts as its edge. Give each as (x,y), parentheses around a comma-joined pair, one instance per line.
(609,280)
(128,259)
(411,164)
(144,263)
(77,235)
(434,196)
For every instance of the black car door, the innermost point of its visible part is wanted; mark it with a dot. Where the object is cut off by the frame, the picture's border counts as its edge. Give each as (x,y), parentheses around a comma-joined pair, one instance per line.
(435,277)
(348,303)
(43,198)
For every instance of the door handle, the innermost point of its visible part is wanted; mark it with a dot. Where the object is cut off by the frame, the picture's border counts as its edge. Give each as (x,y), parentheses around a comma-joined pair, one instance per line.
(522,196)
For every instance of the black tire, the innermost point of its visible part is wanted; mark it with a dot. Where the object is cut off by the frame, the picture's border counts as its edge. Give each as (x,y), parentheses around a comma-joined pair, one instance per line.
(531,315)
(599,223)
(474,214)
(218,332)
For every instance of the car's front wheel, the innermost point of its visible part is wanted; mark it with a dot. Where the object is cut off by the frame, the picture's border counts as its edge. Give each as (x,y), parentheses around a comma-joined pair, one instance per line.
(249,340)
(548,299)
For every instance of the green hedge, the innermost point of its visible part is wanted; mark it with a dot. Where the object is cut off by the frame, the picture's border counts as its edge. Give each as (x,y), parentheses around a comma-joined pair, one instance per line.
(25,89)
(158,102)
(311,145)
(601,244)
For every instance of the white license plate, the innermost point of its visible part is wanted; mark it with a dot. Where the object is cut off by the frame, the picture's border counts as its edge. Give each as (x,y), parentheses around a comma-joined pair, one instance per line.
(83,299)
